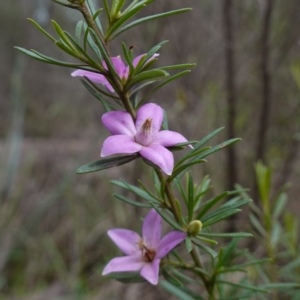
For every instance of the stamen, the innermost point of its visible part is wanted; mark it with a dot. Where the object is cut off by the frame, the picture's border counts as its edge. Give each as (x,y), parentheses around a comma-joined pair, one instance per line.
(147,254)
(144,135)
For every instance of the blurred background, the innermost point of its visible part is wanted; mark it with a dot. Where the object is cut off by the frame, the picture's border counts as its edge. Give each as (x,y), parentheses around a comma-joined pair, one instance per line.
(53,223)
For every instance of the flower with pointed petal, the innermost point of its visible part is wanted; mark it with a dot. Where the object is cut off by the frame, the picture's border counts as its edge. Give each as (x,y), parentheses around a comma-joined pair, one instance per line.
(143,253)
(143,136)
(121,69)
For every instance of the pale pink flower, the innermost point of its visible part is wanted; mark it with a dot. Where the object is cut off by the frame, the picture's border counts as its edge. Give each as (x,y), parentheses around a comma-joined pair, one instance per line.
(121,69)
(143,136)
(143,253)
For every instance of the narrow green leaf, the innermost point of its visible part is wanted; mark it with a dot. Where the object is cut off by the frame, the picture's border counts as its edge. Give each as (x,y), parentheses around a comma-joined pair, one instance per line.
(42,30)
(161,85)
(119,6)
(170,278)
(65,4)
(190,197)
(209,204)
(106,163)
(276,233)
(181,66)
(207,138)
(202,190)
(122,20)
(38,56)
(165,124)
(126,277)
(145,76)
(202,271)
(106,57)
(66,49)
(178,205)
(174,290)
(207,240)
(107,10)
(281,285)
(170,221)
(280,205)
(131,202)
(31,54)
(142,20)
(206,249)
(185,168)
(220,217)
(62,35)
(190,155)
(107,106)
(134,90)
(223,235)
(136,190)
(217,148)
(88,39)
(243,286)
(231,270)
(78,31)
(84,53)
(255,222)
(127,57)
(236,202)
(252,263)
(97,13)
(181,190)
(148,192)
(188,244)
(101,91)
(154,50)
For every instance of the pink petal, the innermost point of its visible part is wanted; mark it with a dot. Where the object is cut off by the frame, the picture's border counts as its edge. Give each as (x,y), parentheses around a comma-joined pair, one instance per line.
(168,242)
(138,58)
(152,111)
(150,271)
(124,264)
(119,144)
(95,77)
(119,66)
(125,239)
(152,229)
(119,122)
(160,156)
(168,138)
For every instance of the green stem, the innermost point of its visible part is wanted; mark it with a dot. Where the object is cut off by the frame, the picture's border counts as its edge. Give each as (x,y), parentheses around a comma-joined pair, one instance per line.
(90,21)
(124,96)
(170,195)
(168,190)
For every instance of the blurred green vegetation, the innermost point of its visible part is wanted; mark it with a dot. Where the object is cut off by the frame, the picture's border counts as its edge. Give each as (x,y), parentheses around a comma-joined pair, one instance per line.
(53,222)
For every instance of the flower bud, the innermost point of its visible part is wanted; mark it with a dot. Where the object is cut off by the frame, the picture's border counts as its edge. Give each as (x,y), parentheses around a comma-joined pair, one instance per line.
(119,15)
(194,227)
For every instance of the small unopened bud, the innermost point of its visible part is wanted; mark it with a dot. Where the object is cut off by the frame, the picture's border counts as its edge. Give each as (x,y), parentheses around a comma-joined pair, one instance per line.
(194,227)
(118,15)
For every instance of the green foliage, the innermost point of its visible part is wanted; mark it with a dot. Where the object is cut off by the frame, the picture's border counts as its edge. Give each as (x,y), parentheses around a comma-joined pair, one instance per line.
(185,204)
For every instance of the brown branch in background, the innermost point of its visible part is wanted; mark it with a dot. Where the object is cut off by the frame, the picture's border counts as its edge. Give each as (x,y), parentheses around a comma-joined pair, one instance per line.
(266,81)
(266,87)
(230,89)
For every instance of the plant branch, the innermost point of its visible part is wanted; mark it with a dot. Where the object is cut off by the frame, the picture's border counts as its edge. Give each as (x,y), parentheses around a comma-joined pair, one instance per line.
(193,253)
(124,96)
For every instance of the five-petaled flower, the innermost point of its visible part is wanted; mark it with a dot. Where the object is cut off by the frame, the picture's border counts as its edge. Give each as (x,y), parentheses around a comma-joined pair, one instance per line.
(143,253)
(121,69)
(143,136)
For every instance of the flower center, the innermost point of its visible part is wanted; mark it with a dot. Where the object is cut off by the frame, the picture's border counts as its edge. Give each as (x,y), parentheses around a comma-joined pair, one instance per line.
(147,254)
(144,135)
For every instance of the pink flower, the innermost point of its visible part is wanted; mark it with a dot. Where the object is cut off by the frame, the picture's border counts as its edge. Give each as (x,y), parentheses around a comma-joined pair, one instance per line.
(143,136)
(122,70)
(143,253)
